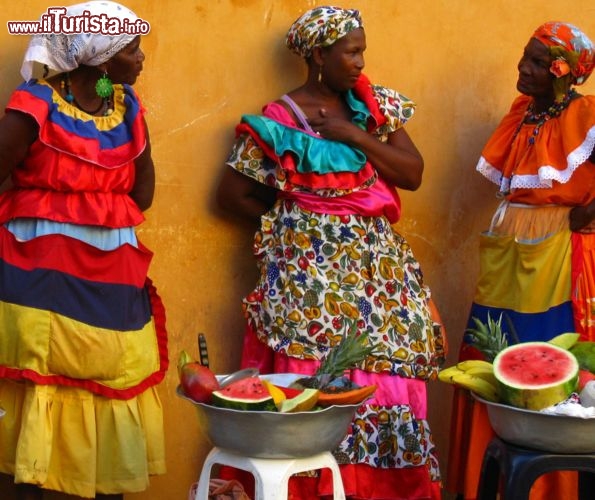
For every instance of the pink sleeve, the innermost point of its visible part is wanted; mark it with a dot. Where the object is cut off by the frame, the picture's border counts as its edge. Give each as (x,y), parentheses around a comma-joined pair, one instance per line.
(277,112)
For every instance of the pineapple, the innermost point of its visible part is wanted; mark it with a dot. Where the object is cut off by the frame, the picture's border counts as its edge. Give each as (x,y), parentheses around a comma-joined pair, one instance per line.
(488,338)
(351,351)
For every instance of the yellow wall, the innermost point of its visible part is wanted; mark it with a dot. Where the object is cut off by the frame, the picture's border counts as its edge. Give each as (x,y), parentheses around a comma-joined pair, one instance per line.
(209,61)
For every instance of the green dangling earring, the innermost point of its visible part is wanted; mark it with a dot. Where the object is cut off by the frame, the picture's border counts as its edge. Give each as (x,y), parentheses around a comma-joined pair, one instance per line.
(104,86)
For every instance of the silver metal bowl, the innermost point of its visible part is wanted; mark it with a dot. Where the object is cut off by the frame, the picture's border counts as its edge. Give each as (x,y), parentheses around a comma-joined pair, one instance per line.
(540,431)
(268,434)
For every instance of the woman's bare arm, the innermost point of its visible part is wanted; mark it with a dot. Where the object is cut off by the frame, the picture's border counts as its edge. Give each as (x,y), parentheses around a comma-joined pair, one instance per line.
(244,196)
(17,133)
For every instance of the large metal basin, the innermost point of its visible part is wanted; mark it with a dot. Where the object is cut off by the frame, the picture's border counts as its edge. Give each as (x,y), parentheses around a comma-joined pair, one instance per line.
(267,434)
(540,431)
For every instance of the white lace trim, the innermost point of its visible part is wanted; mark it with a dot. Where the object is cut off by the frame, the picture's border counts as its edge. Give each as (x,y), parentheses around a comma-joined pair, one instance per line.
(488,171)
(545,174)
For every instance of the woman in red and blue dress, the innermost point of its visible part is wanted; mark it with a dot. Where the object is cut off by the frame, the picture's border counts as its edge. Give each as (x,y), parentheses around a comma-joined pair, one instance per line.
(82,330)
(319,169)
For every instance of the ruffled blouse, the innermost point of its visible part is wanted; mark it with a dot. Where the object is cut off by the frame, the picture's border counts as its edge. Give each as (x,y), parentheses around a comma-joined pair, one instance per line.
(294,161)
(80,169)
(552,170)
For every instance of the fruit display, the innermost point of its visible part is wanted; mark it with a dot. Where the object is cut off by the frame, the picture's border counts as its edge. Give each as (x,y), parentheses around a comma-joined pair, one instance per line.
(531,375)
(535,375)
(245,390)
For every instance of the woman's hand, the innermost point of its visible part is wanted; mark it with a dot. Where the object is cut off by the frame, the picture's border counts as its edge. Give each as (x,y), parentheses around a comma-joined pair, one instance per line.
(397,161)
(582,218)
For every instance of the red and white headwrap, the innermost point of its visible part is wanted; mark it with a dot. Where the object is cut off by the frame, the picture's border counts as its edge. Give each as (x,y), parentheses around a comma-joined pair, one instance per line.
(569,44)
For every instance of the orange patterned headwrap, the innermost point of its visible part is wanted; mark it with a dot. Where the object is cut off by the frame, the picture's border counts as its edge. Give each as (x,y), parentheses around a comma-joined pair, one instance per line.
(568,46)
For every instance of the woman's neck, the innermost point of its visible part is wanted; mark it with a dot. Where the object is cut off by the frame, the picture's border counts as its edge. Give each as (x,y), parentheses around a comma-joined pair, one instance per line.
(78,88)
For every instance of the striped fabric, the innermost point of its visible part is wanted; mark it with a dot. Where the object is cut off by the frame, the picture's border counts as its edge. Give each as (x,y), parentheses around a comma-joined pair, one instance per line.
(513,283)
(71,313)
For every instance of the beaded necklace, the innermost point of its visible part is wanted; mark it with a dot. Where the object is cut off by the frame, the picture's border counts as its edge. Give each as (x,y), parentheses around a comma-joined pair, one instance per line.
(530,117)
(540,118)
(106,103)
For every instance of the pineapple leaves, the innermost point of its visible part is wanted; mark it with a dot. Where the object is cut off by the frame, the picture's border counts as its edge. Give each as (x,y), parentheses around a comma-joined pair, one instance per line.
(351,351)
(488,337)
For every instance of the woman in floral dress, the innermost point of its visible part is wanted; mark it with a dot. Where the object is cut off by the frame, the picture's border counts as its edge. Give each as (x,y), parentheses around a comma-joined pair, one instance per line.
(319,170)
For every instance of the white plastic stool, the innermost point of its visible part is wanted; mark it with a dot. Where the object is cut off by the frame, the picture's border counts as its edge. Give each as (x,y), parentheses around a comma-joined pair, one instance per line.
(271,474)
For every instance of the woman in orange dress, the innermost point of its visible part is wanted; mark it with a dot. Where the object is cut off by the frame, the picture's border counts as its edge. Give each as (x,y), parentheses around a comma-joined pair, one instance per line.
(537,258)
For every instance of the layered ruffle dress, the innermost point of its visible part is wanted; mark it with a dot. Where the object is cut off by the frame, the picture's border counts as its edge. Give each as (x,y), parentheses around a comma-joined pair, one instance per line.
(82,330)
(328,259)
(534,271)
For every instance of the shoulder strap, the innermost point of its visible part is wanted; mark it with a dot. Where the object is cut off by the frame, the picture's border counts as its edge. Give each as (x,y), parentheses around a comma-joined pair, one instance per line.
(300,115)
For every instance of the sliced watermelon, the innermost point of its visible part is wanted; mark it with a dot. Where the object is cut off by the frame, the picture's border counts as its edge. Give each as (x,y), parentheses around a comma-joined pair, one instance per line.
(535,375)
(584,377)
(245,394)
(290,392)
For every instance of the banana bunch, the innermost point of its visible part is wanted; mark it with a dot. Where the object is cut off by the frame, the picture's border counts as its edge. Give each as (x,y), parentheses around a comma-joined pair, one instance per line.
(473,374)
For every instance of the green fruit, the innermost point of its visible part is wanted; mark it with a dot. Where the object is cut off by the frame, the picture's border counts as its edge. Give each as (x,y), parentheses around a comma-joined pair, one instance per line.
(585,355)
(565,340)
(304,401)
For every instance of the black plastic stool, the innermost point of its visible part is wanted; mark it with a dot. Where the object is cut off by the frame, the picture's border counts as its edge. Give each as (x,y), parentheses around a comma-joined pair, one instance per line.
(520,467)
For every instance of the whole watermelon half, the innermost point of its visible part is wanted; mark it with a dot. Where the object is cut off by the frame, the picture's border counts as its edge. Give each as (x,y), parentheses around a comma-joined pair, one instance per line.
(535,375)
(245,394)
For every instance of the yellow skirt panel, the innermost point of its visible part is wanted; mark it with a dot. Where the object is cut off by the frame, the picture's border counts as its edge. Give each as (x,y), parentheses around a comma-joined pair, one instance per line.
(52,344)
(68,439)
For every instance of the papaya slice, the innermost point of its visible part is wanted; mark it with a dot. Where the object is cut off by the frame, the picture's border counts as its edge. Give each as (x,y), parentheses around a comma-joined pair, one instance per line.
(350,397)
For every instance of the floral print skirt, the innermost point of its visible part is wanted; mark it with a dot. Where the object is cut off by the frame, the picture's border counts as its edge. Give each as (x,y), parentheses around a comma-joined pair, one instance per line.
(319,273)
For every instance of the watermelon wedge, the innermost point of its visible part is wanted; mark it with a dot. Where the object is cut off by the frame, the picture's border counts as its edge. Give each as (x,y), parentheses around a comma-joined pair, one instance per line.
(535,375)
(245,394)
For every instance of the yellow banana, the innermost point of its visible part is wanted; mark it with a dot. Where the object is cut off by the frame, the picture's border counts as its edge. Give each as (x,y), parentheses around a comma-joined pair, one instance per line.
(481,372)
(446,374)
(479,368)
(474,363)
(473,374)
(478,385)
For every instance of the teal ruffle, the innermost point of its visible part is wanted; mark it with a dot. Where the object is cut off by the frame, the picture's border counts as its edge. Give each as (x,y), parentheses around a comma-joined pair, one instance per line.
(312,154)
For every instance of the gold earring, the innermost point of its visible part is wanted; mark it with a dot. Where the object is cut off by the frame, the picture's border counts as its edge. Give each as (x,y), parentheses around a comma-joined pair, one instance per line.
(320,74)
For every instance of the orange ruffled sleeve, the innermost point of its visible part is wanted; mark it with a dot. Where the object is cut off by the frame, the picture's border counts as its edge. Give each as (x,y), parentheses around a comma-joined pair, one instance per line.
(553,170)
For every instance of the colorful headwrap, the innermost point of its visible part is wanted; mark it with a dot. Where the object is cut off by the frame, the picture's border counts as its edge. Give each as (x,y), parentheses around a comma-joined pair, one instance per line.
(572,49)
(65,52)
(321,27)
